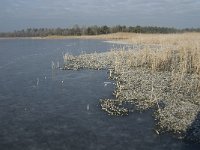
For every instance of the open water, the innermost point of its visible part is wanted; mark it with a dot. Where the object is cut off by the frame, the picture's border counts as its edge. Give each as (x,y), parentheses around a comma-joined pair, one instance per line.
(45,109)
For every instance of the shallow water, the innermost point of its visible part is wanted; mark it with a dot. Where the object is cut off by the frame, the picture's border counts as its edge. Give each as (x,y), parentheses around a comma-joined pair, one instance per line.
(45,109)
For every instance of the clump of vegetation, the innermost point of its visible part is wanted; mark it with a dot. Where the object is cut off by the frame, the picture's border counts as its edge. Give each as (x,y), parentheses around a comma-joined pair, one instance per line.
(163,74)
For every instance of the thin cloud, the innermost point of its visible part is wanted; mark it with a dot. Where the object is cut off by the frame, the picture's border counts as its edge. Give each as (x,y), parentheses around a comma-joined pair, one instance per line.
(175,12)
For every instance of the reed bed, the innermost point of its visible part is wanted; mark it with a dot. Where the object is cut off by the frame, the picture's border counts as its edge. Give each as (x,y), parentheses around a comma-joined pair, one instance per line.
(163,74)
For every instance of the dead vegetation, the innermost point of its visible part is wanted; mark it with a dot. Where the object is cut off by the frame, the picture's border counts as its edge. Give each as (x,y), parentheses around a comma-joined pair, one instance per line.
(163,74)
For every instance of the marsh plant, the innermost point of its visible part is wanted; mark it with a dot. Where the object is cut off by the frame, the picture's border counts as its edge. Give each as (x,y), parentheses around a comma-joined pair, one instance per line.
(163,73)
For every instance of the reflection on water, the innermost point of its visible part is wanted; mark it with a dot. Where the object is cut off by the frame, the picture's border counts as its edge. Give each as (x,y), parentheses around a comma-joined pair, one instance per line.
(42,109)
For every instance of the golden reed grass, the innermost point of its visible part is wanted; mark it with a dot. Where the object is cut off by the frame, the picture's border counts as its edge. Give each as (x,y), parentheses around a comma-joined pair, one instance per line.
(162,71)
(164,52)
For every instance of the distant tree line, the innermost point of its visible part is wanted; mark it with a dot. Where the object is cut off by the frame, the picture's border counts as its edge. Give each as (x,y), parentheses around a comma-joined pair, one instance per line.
(93,30)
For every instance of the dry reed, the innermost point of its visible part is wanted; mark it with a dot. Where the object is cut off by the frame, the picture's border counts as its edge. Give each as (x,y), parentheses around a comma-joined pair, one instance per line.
(163,74)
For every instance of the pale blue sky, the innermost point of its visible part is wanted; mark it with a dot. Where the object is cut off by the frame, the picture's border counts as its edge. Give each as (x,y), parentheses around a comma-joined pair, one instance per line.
(19,14)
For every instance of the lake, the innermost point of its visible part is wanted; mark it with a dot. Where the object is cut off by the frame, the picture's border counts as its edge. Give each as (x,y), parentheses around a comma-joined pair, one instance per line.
(45,109)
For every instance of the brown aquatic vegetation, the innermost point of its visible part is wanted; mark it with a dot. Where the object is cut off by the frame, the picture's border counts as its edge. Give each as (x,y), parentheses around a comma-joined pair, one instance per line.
(162,74)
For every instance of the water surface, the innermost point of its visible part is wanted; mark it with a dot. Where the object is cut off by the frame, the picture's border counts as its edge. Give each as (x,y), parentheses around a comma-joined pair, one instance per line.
(45,109)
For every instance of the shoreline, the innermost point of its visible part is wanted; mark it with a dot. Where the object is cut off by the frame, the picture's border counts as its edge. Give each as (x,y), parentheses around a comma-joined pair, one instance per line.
(98,37)
(146,40)
(102,36)
(42,38)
